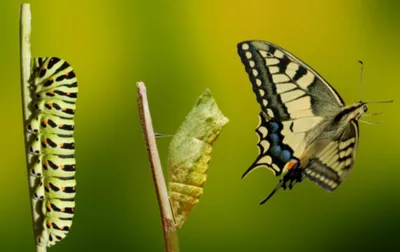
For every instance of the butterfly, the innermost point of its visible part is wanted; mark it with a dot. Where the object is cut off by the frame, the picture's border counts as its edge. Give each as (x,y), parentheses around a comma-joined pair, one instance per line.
(305,128)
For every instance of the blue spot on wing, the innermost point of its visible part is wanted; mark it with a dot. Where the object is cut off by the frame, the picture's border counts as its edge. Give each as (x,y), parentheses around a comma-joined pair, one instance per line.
(274,138)
(273,127)
(285,156)
(275,150)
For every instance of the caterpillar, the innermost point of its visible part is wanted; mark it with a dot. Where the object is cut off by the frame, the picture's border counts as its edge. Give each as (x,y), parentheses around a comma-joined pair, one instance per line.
(54,93)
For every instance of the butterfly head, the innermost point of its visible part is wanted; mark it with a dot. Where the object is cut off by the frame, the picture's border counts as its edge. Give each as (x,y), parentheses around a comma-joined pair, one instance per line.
(360,108)
(353,112)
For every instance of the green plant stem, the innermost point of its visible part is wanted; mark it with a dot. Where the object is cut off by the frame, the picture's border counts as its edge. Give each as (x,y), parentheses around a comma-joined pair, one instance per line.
(168,224)
(25,54)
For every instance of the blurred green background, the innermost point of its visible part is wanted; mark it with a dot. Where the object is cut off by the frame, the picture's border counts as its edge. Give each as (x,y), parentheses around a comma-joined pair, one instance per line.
(180,48)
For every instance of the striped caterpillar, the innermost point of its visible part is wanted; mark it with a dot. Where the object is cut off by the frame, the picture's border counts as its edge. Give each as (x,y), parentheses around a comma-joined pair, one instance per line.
(51,127)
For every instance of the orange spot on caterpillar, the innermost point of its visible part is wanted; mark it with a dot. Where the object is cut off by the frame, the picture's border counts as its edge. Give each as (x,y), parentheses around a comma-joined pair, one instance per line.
(44,142)
(62,166)
(51,79)
(48,186)
(64,109)
(62,209)
(68,93)
(51,92)
(67,73)
(49,207)
(73,167)
(73,188)
(43,68)
(61,125)
(62,188)
(61,145)
(50,105)
(73,209)
(45,122)
(49,224)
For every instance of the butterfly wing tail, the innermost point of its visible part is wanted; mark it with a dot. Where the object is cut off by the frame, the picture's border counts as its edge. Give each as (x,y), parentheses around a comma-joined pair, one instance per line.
(280,184)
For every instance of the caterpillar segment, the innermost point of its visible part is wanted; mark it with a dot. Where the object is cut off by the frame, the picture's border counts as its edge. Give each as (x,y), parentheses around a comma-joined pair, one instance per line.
(55,91)
(46,143)
(51,124)
(65,93)
(56,107)
(55,188)
(54,230)
(53,166)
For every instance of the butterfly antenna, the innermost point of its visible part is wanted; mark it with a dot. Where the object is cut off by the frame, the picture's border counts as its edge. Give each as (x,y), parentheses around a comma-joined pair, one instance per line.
(373,114)
(387,101)
(361,76)
(370,123)
(280,184)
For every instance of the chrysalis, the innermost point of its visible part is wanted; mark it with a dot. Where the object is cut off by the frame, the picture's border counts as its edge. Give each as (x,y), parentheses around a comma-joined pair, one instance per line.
(190,154)
(52,126)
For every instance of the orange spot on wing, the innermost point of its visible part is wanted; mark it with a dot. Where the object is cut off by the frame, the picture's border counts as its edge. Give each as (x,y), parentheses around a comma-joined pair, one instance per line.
(291,165)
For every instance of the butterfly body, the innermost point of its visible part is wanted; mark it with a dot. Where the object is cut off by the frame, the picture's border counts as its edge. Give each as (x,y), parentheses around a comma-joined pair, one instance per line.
(305,128)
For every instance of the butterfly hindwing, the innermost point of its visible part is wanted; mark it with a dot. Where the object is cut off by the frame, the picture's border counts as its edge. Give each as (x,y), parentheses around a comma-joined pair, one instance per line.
(329,167)
(273,152)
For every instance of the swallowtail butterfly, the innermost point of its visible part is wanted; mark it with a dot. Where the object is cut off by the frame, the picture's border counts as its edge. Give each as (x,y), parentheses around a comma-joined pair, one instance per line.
(54,89)
(305,128)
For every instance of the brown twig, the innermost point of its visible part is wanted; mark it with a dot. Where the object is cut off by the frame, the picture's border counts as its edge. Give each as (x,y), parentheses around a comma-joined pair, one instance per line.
(170,236)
